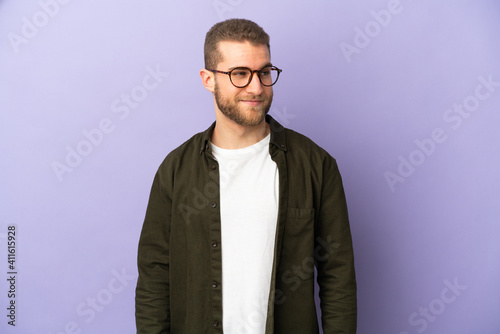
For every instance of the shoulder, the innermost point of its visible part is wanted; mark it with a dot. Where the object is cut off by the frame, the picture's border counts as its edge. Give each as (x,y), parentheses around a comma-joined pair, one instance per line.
(185,154)
(305,157)
(301,151)
(302,146)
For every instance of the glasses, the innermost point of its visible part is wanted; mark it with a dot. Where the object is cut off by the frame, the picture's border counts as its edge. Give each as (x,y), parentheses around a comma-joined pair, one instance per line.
(241,77)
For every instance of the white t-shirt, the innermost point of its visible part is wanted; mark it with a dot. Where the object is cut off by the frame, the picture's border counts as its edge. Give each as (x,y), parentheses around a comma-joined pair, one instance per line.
(249,211)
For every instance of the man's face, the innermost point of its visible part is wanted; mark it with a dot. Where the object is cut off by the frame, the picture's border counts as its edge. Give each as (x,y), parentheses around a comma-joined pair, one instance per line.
(246,106)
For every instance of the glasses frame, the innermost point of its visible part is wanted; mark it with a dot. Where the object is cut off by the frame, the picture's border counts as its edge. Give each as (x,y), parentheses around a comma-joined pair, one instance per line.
(251,76)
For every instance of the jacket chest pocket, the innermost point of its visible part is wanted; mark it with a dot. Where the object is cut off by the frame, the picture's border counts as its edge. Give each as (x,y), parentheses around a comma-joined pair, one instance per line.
(298,237)
(299,221)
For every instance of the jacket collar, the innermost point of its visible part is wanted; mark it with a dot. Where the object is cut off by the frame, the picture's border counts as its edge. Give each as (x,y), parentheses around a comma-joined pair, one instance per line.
(278,138)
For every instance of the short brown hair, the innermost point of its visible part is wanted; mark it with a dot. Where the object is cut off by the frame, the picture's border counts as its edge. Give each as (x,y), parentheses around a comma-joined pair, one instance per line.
(238,30)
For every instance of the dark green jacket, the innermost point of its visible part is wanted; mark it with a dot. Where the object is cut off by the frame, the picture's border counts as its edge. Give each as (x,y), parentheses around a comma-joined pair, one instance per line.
(180,267)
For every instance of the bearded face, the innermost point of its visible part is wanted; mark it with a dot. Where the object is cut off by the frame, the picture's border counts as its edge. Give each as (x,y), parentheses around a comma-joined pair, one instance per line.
(243,109)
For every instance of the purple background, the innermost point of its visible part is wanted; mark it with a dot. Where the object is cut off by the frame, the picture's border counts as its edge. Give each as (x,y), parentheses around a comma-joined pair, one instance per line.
(77,231)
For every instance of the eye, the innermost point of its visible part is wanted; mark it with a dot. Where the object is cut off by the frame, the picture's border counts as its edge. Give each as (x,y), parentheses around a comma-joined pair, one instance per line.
(265,72)
(239,73)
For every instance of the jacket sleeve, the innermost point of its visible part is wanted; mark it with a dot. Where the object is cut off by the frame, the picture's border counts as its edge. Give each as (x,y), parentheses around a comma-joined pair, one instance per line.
(152,293)
(335,261)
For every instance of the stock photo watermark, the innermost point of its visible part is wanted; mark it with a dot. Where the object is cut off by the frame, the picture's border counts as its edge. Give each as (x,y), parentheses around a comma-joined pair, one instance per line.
(425,315)
(11,247)
(121,108)
(364,35)
(225,6)
(89,309)
(299,273)
(454,118)
(282,115)
(292,277)
(31,26)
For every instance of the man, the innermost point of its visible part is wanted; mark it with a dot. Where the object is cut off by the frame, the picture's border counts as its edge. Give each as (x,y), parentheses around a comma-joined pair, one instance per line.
(240,214)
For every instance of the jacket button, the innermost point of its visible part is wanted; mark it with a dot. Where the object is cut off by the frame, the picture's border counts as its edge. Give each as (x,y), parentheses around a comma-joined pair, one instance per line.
(216,323)
(213,205)
(213,167)
(214,284)
(214,244)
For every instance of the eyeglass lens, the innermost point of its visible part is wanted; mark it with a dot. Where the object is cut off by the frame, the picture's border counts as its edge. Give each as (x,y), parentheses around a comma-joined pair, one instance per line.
(241,77)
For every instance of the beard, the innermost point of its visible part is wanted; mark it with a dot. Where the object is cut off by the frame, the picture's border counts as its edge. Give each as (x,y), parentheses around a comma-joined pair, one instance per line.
(243,115)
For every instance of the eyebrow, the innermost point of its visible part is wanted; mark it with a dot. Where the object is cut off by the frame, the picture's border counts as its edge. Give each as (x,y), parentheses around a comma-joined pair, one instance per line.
(266,65)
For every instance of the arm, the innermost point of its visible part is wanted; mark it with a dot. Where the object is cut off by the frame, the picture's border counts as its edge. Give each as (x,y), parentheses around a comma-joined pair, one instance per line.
(335,263)
(152,293)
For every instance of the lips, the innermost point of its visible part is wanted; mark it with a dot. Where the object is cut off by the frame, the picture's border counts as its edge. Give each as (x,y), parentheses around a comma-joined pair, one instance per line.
(252,103)
(251,100)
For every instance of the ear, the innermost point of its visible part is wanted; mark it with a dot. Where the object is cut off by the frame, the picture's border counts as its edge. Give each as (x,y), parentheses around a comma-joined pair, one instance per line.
(207,78)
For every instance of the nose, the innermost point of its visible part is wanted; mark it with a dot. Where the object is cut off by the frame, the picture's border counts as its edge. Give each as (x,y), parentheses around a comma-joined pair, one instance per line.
(255,87)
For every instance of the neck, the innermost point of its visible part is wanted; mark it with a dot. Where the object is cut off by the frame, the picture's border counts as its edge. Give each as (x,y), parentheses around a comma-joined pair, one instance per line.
(230,135)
